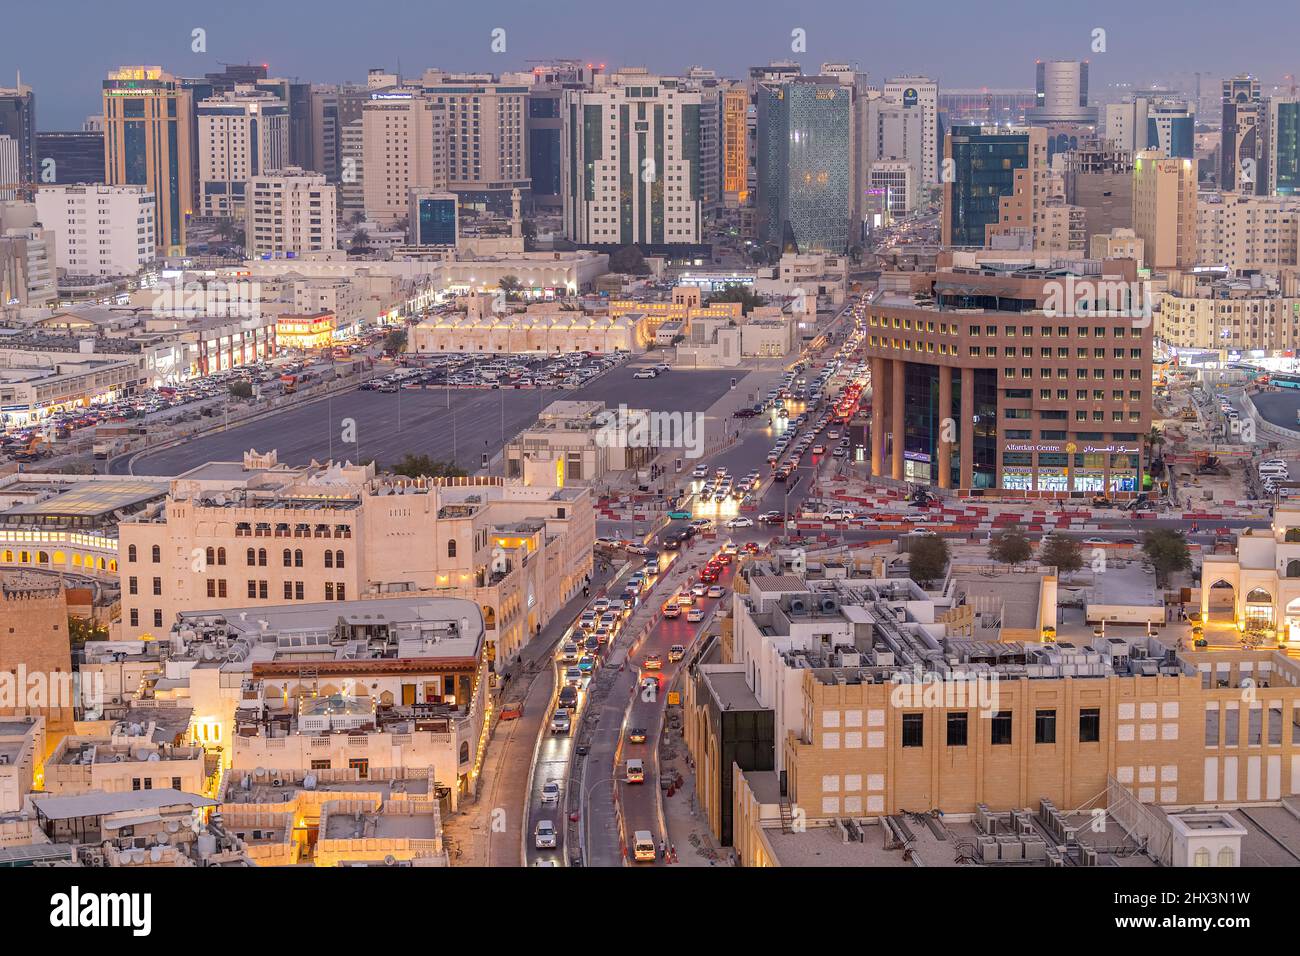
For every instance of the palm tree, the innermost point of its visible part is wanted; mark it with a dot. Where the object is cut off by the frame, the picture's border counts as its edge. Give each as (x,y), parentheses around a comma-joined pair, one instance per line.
(1153,440)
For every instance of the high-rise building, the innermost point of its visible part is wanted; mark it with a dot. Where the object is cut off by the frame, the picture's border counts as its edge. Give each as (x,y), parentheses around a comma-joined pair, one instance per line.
(71,157)
(1061,94)
(28,276)
(99,230)
(290,212)
(324,132)
(984,107)
(404,144)
(894,133)
(1164,210)
(10,168)
(351,150)
(1241,148)
(984,164)
(147,142)
(920,94)
(1243,233)
(434,218)
(18,122)
(1099,179)
(297,99)
(1282,128)
(242,134)
(546,85)
(735,147)
(805,164)
(1162,123)
(631,162)
(486,151)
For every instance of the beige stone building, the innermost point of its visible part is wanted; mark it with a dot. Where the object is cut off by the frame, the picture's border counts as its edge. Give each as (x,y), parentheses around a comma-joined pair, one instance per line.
(1205,310)
(1164,210)
(1240,232)
(260,534)
(404,147)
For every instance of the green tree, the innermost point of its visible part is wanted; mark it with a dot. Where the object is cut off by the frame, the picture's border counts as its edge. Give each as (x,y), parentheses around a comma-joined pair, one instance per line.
(360,240)
(395,341)
(735,292)
(1061,551)
(630,261)
(1010,547)
(927,559)
(422,466)
(511,286)
(855,254)
(1166,549)
(241,389)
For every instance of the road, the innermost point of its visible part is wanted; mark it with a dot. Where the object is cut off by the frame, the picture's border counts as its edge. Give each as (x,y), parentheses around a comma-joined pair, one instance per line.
(447,424)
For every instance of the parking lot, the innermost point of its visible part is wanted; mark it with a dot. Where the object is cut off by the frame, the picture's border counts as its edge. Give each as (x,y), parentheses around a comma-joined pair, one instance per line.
(456,424)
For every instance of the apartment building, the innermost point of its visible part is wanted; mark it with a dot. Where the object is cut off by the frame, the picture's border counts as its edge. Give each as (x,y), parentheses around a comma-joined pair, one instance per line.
(486,136)
(22,750)
(262,534)
(1028,379)
(127,760)
(1164,210)
(242,134)
(99,230)
(1214,311)
(290,213)
(405,136)
(28,270)
(1243,233)
(631,161)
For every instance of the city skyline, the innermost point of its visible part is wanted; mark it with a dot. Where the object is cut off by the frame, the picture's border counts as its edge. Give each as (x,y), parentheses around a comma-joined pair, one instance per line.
(887,43)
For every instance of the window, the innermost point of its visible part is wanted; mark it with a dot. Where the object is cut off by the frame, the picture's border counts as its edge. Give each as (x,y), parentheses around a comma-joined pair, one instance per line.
(451,549)
(1212,728)
(914,730)
(1090,725)
(1000,728)
(297,558)
(338,559)
(320,765)
(251,557)
(135,617)
(221,556)
(133,585)
(157,554)
(157,618)
(1045,727)
(329,558)
(957,727)
(131,554)
(157,586)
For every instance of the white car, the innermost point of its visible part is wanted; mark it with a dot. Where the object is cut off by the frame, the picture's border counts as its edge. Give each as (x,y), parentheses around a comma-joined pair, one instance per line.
(550,793)
(544,837)
(701,471)
(740,521)
(837,516)
(645,373)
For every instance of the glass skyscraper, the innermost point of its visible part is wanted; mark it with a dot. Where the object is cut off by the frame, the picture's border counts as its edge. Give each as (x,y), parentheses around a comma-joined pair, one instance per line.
(984,164)
(805,169)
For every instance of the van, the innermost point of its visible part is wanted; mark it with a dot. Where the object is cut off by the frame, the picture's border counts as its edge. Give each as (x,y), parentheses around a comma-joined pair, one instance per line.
(643,847)
(635,771)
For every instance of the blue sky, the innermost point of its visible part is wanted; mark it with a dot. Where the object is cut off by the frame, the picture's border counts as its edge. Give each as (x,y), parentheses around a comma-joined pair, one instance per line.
(64,47)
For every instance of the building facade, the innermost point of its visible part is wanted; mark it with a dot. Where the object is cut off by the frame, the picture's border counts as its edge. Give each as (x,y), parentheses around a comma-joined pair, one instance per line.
(290,213)
(100,230)
(242,134)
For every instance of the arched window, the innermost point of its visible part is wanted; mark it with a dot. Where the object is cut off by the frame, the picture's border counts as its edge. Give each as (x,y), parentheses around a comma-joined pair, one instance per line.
(251,557)
(329,558)
(221,555)
(297,558)
(1227,857)
(130,553)
(43,558)
(1259,596)
(211,556)
(338,559)
(1202,857)
(288,558)
(464,751)
(451,548)
(261,557)
(157,554)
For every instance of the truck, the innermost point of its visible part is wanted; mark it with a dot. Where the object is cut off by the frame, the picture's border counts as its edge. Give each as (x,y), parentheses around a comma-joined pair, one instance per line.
(106,447)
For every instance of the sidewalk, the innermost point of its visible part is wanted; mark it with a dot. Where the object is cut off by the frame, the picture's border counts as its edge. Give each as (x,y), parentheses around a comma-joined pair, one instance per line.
(488,830)
(688,830)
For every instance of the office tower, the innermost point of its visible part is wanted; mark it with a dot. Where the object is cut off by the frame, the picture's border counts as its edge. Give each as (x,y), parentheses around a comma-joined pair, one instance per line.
(1061,94)
(235,74)
(99,230)
(296,98)
(546,84)
(486,131)
(72,157)
(1241,153)
(983,107)
(1282,137)
(710,145)
(434,218)
(631,162)
(920,94)
(10,168)
(895,183)
(147,142)
(1164,210)
(1157,122)
(351,131)
(778,71)
(324,133)
(404,145)
(18,122)
(735,147)
(290,212)
(894,133)
(805,165)
(985,160)
(242,134)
